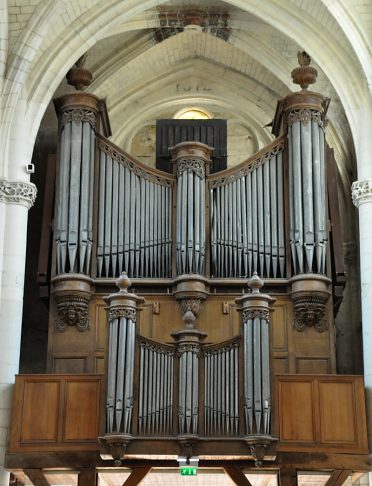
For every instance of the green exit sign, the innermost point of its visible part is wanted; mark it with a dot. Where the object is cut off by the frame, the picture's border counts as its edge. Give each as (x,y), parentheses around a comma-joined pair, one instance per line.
(189,471)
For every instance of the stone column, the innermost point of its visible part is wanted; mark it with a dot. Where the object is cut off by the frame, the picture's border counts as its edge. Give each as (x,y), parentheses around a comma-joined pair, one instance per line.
(362,198)
(16,198)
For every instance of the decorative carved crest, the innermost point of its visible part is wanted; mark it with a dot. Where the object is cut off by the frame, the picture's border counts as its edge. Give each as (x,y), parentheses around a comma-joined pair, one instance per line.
(256,313)
(73,311)
(309,310)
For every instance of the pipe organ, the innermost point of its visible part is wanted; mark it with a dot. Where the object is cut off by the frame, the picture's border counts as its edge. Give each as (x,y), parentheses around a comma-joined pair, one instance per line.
(188,350)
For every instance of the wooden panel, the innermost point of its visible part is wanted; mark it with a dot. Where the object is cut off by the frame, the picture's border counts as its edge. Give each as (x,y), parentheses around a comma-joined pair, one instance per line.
(280,365)
(56,413)
(312,366)
(81,410)
(101,327)
(43,397)
(279,328)
(68,365)
(338,423)
(296,411)
(100,365)
(322,413)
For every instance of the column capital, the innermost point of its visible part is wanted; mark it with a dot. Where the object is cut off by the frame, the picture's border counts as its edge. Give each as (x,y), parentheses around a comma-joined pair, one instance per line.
(23,193)
(361,192)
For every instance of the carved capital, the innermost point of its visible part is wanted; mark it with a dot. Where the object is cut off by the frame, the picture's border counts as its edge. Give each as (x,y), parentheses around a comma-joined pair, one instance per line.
(256,313)
(188,445)
(72,293)
(191,165)
(304,116)
(125,312)
(310,295)
(78,115)
(189,347)
(18,193)
(361,192)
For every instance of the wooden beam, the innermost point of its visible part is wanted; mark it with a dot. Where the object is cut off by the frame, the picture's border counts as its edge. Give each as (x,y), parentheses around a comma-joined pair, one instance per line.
(37,477)
(237,475)
(305,461)
(137,475)
(87,476)
(338,477)
(287,477)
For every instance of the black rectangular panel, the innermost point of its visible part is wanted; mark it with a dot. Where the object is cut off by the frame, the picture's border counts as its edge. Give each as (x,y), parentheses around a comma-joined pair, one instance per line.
(211,132)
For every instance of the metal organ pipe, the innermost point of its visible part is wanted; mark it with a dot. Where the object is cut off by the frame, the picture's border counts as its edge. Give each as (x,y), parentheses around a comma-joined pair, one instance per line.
(247,217)
(122,331)
(255,308)
(75,177)
(307,193)
(190,159)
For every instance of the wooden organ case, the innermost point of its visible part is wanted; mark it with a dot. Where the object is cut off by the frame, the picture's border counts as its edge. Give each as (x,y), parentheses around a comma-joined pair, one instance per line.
(192,312)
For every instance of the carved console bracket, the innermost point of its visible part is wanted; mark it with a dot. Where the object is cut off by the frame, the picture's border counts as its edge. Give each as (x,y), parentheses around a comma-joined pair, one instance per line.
(114,446)
(258,445)
(190,294)
(188,444)
(72,293)
(310,295)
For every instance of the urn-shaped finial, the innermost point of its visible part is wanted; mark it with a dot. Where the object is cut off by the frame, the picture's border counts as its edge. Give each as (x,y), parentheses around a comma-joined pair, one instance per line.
(305,74)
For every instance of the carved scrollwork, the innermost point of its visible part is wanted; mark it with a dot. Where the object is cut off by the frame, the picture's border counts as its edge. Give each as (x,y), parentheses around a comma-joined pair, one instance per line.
(305,116)
(256,313)
(309,310)
(189,348)
(361,192)
(73,311)
(191,165)
(18,192)
(123,312)
(130,165)
(78,115)
(250,167)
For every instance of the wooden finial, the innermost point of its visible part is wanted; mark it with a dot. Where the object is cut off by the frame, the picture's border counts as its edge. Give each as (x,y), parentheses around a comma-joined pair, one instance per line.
(123,283)
(305,74)
(78,76)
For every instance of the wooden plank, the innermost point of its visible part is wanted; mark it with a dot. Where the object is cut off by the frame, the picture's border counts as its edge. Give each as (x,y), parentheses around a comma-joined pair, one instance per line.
(338,477)
(287,477)
(237,475)
(137,475)
(87,476)
(36,476)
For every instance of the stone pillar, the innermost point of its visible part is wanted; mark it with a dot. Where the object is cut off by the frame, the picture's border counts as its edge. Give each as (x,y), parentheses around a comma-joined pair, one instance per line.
(362,198)
(15,200)
(191,161)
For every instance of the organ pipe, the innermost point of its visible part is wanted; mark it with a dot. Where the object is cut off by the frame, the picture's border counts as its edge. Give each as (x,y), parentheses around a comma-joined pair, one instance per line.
(191,161)
(77,114)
